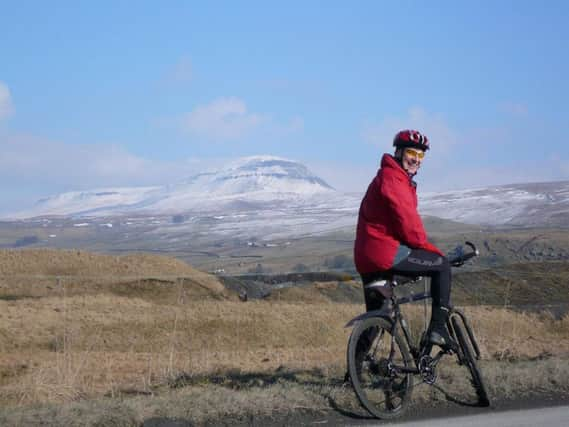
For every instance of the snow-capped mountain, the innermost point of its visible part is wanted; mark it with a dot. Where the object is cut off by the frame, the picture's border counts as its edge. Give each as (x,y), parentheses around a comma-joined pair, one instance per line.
(259,174)
(264,190)
(252,180)
(535,204)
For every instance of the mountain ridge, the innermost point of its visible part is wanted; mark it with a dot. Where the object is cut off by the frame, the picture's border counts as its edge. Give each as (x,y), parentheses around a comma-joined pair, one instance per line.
(261,185)
(259,178)
(530,204)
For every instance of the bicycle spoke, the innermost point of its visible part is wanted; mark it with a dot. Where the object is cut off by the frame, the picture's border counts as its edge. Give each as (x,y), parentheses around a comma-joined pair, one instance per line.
(380,387)
(378,340)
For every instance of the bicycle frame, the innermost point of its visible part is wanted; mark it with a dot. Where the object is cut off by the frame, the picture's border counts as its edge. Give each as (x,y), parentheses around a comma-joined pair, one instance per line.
(418,352)
(422,349)
(397,357)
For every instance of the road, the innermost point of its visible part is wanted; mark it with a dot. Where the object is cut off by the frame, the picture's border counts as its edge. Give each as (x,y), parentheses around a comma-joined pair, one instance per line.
(557,416)
(551,416)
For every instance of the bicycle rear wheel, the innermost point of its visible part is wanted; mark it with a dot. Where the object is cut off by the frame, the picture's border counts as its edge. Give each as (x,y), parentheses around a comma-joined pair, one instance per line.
(466,357)
(374,355)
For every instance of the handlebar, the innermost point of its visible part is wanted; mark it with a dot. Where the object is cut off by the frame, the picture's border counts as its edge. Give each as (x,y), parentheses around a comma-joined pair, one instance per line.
(458,257)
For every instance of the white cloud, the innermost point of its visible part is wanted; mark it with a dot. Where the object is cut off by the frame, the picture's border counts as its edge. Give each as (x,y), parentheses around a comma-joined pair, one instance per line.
(35,163)
(6,107)
(32,168)
(441,136)
(221,120)
(472,157)
(343,176)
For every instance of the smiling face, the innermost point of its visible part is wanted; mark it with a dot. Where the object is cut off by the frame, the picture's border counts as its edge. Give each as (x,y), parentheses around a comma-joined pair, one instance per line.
(412,159)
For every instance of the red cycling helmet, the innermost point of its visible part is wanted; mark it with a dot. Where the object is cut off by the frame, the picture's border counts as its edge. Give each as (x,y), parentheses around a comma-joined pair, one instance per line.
(411,138)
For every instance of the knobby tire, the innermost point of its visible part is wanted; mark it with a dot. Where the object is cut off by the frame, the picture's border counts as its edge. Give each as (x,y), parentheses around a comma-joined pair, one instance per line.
(382,394)
(470,361)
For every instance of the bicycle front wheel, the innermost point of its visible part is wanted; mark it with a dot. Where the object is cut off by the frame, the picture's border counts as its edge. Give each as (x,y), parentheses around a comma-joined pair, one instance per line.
(375,358)
(466,357)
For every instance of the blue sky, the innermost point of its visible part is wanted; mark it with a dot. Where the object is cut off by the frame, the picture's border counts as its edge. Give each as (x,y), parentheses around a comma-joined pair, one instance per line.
(122,93)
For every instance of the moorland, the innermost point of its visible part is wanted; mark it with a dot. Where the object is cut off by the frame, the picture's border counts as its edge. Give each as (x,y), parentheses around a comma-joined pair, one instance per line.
(111,326)
(94,339)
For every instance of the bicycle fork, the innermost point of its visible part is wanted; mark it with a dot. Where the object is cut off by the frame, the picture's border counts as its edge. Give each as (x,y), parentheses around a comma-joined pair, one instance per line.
(458,316)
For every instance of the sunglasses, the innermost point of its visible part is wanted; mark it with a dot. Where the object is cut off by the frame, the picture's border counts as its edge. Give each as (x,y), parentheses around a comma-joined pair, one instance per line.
(415,153)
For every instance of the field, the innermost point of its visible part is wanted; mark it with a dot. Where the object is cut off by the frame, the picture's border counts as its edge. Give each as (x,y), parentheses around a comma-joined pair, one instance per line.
(238,253)
(91,339)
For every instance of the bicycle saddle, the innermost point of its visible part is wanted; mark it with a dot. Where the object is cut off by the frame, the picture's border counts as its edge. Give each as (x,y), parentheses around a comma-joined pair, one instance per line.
(382,285)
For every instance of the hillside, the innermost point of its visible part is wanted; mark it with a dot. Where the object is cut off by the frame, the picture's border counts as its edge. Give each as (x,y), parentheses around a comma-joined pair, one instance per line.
(42,272)
(257,180)
(132,338)
(527,205)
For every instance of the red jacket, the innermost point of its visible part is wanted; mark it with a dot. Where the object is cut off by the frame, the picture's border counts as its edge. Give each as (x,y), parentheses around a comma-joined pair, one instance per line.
(388,217)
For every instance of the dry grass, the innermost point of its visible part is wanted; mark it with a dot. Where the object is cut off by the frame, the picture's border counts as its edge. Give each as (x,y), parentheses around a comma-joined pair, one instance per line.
(239,396)
(82,264)
(29,271)
(55,350)
(170,339)
(46,272)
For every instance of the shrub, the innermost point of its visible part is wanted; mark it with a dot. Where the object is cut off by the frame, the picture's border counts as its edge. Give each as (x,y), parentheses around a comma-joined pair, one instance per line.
(300,268)
(339,262)
(25,241)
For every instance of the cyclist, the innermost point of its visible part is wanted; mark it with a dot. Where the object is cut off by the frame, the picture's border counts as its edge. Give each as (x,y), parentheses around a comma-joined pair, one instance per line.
(391,238)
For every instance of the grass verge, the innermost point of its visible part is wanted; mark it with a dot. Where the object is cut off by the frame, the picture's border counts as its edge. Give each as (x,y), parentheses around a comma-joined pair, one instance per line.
(233,396)
(78,351)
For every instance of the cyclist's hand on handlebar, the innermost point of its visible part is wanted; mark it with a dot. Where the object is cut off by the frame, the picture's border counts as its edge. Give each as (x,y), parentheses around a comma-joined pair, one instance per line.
(458,256)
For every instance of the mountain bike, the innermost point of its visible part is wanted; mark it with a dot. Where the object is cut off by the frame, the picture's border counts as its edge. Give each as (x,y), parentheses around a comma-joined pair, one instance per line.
(383,359)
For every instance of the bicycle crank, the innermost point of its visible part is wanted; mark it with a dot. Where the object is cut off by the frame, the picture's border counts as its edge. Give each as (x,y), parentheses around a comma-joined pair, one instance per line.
(427,369)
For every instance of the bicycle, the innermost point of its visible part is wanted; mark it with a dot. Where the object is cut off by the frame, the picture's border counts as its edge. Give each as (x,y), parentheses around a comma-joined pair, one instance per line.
(382,371)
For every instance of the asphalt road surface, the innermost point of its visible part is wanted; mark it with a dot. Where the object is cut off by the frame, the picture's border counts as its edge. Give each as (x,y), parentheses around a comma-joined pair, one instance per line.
(557,416)
(552,411)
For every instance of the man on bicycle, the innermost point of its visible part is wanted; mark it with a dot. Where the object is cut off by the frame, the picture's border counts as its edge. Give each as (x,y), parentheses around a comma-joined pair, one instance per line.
(391,237)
